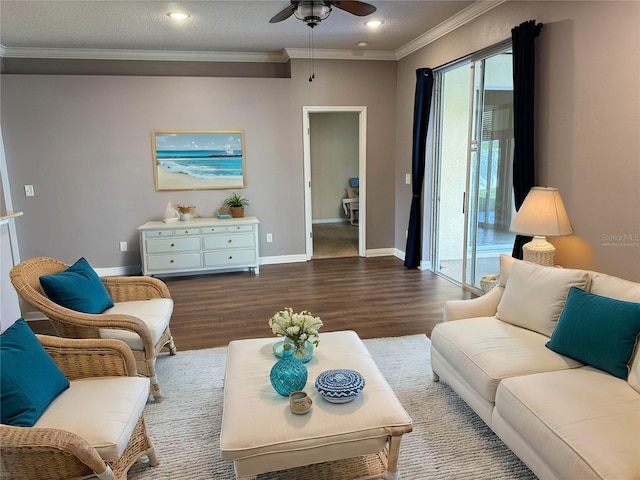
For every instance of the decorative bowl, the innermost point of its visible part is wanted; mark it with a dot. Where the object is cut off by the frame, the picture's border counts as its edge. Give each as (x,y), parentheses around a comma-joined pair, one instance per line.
(339,385)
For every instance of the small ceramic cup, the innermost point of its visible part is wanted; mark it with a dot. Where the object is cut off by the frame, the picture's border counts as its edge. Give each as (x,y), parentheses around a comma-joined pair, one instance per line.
(300,402)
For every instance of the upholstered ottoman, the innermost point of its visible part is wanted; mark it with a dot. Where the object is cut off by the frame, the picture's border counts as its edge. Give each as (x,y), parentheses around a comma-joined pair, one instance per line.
(260,433)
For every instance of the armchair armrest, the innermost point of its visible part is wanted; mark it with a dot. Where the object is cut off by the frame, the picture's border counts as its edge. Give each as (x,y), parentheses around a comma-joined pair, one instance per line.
(484,306)
(127,289)
(82,358)
(42,442)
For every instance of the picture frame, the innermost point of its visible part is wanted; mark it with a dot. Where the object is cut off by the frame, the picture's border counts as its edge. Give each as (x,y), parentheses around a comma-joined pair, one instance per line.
(198,160)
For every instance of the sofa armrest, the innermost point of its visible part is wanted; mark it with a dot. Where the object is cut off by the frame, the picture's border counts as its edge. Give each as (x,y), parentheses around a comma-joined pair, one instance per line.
(484,306)
(82,358)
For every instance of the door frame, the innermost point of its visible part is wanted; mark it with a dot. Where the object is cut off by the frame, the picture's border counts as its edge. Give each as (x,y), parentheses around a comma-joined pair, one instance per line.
(362,167)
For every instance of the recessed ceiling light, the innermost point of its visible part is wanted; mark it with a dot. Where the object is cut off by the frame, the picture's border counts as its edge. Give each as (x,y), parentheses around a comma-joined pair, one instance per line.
(374,23)
(362,44)
(178,15)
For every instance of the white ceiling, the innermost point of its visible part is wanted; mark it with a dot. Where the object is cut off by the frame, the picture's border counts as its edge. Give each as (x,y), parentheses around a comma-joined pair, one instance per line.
(233,28)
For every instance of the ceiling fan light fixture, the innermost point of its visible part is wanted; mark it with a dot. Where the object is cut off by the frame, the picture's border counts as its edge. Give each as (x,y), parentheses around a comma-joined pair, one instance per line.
(312,13)
(373,23)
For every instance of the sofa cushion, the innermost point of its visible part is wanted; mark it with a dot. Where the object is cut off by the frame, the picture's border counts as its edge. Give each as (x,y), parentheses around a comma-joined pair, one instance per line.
(597,330)
(155,313)
(485,350)
(584,423)
(506,264)
(78,288)
(103,411)
(29,378)
(534,296)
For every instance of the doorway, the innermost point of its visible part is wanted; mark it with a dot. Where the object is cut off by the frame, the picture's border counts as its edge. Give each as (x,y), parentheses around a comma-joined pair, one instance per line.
(474,131)
(334,170)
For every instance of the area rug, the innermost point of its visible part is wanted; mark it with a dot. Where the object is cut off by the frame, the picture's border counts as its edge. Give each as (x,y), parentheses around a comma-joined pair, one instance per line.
(448,441)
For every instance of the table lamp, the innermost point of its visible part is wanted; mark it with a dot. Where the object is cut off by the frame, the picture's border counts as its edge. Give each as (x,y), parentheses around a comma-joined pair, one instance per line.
(542,214)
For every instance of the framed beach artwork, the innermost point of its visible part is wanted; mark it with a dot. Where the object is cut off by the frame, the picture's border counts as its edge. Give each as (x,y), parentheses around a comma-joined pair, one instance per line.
(198,160)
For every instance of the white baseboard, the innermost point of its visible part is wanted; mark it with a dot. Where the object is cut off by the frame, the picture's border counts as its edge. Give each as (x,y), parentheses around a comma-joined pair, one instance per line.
(330,220)
(379,252)
(282,259)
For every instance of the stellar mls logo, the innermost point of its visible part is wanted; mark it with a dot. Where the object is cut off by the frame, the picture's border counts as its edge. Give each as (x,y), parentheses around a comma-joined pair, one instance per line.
(620,239)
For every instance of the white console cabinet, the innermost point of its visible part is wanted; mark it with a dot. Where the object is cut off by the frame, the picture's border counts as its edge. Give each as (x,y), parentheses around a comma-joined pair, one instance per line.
(200,245)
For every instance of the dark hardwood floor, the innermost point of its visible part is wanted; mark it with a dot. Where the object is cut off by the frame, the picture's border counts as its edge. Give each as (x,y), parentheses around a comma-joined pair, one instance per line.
(376,297)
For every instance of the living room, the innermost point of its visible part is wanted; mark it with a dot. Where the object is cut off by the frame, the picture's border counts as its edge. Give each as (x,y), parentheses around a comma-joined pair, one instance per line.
(84,143)
(586,141)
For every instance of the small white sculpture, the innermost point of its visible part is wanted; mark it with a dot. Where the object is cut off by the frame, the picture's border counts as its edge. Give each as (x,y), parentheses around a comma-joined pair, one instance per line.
(170,213)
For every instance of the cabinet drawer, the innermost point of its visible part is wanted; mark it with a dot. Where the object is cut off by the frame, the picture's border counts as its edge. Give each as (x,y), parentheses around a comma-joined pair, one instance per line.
(170,262)
(187,231)
(162,245)
(229,257)
(240,228)
(158,233)
(214,230)
(228,241)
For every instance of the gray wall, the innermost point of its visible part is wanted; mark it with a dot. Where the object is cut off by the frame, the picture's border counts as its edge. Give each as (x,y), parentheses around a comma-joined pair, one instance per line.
(84,143)
(587,117)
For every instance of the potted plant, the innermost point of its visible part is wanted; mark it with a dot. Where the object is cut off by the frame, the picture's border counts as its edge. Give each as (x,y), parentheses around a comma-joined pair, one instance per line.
(236,205)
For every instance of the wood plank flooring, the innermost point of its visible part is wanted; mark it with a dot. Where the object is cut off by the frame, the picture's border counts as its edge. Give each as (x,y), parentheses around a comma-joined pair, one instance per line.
(376,297)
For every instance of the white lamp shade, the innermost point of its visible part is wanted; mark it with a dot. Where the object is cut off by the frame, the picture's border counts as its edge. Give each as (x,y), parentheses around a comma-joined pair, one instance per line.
(542,213)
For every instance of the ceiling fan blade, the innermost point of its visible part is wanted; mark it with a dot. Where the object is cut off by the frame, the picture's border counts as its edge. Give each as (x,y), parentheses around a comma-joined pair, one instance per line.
(285,13)
(360,9)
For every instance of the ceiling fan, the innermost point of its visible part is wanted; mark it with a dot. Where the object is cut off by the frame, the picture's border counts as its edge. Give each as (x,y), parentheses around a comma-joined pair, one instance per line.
(312,12)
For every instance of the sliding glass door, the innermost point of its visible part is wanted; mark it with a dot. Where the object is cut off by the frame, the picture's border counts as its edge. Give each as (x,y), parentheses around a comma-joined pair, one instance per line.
(474,150)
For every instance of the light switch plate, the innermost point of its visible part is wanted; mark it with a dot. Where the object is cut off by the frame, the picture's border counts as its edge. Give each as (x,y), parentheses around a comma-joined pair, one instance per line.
(28,191)
(407,178)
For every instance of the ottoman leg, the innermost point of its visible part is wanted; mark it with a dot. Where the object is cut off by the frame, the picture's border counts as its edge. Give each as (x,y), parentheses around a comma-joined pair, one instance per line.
(392,472)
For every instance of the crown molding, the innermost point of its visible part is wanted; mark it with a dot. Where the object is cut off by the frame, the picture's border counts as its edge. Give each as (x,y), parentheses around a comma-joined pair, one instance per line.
(326,54)
(470,13)
(180,56)
(461,18)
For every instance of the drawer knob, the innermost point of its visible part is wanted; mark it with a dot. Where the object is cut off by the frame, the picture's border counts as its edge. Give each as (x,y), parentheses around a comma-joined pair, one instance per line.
(230,240)
(173,244)
(171,261)
(230,257)
(186,231)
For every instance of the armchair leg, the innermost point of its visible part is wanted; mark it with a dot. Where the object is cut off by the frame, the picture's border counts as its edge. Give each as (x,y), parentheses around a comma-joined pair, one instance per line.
(155,389)
(172,347)
(153,459)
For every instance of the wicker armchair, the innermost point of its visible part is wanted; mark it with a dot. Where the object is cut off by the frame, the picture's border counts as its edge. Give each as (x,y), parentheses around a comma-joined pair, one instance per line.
(39,453)
(119,322)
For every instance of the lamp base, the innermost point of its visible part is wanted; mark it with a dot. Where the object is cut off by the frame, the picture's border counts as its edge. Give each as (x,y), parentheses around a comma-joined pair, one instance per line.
(539,251)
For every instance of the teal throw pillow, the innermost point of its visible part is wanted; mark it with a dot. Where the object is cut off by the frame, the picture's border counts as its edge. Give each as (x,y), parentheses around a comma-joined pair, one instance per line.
(78,287)
(598,331)
(29,378)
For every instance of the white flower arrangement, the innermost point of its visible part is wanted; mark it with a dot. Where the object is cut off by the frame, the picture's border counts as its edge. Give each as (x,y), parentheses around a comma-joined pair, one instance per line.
(297,327)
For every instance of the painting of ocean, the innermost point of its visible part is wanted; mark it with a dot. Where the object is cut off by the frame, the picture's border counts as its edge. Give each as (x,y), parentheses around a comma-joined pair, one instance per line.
(195,160)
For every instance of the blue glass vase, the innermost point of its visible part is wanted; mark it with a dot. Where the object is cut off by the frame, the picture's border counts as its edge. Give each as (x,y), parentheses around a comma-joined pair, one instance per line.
(288,374)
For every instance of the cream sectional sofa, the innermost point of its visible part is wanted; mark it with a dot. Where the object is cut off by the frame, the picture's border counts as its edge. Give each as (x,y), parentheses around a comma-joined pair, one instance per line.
(568,415)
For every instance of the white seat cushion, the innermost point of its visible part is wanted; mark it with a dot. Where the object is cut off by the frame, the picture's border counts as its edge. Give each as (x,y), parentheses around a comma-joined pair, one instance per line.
(103,411)
(584,422)
(155,313)
(486,350)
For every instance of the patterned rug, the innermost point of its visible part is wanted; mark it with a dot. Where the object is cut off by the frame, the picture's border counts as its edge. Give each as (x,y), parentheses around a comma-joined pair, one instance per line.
(448,440)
